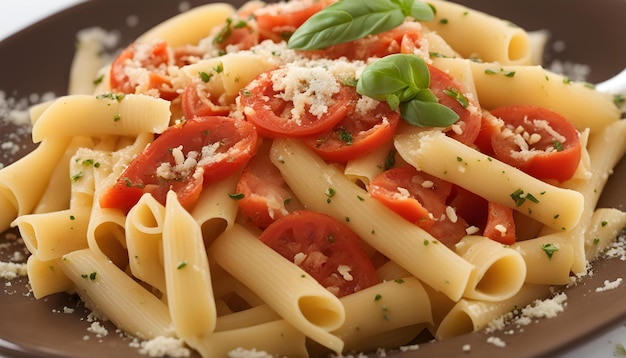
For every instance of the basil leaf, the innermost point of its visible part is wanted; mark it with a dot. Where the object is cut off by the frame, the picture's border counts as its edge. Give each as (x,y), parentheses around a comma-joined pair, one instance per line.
(397,74)
(425,111)
(403,81)
(349,20)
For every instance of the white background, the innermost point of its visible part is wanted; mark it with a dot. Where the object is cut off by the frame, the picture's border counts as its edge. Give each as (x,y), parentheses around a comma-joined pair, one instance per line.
(18,14)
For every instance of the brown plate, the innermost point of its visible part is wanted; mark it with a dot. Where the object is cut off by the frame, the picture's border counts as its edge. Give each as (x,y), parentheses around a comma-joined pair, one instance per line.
(37,60)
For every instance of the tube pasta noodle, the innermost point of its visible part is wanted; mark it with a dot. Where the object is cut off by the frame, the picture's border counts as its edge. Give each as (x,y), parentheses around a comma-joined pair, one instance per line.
(144,230)
(185,258)
(216,211)
(23,183)
(499,271)
(122,115)
(472,315)
(552,269)
(190,26)
(51,235)
(364,169)
(310,308)
(116,295)
(46,277)
(606,224)
(385,307)
(186,269)
(491,39)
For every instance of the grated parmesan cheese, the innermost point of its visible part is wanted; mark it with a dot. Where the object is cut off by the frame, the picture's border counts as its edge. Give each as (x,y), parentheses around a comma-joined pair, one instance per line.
(165,346)
(610,285)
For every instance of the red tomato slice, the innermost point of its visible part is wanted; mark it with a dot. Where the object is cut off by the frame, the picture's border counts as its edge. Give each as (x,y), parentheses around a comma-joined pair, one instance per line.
(402,39)
(280,19)
(238,32)
(194,103)
(360,132)
(323,247)
(153,59)
(421,199)
(185,157)
(266,195)
(272,115)
(446,88)
(551,144)
(500,225)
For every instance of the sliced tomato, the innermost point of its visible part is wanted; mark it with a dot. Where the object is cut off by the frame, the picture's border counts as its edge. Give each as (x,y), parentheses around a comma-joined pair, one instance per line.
(490,126)
(237,31)
(361,131)
(143,65)
(276,21)
(402,39)
(538,141)
(500,225)
(323,247)
(471,207)
(266,196)
(421,199)
(196,102)
(451,93)
(272,114)
(184,158)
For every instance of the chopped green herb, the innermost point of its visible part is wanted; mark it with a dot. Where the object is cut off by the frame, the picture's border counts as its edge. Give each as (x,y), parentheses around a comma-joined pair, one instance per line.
(378,297)
(549,249)
(345,136)
(205,77)
(558,146)
(98,80)
(236,196)
(116,118)
(181,265)
(398,280)
(456,95)
(116,97)
(604,223)
(330,192)
(76,177)
(519,197)
(443,21)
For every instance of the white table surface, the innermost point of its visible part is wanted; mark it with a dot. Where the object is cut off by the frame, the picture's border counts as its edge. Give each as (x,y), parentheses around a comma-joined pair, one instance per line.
(18,14)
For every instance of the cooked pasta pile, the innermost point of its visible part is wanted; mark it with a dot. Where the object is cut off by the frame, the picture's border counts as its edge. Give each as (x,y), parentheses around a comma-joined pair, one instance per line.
(264,178)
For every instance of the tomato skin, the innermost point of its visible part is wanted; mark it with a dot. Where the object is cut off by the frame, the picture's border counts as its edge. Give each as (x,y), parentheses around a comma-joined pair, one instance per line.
(327,244)
(469,121)
(233,142)
(264,109)
(401,39)
(423,203)
(274,20)
(153,59)
(555,164)
(266,195)
(195,106)
(357,134)
(500,216)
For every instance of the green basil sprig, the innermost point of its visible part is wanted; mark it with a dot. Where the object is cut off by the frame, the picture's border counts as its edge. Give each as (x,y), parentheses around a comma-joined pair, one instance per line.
(403,81)
(348,20)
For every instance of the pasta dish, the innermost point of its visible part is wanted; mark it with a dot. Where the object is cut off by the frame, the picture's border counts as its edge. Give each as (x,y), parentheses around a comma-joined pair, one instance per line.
(315,177)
